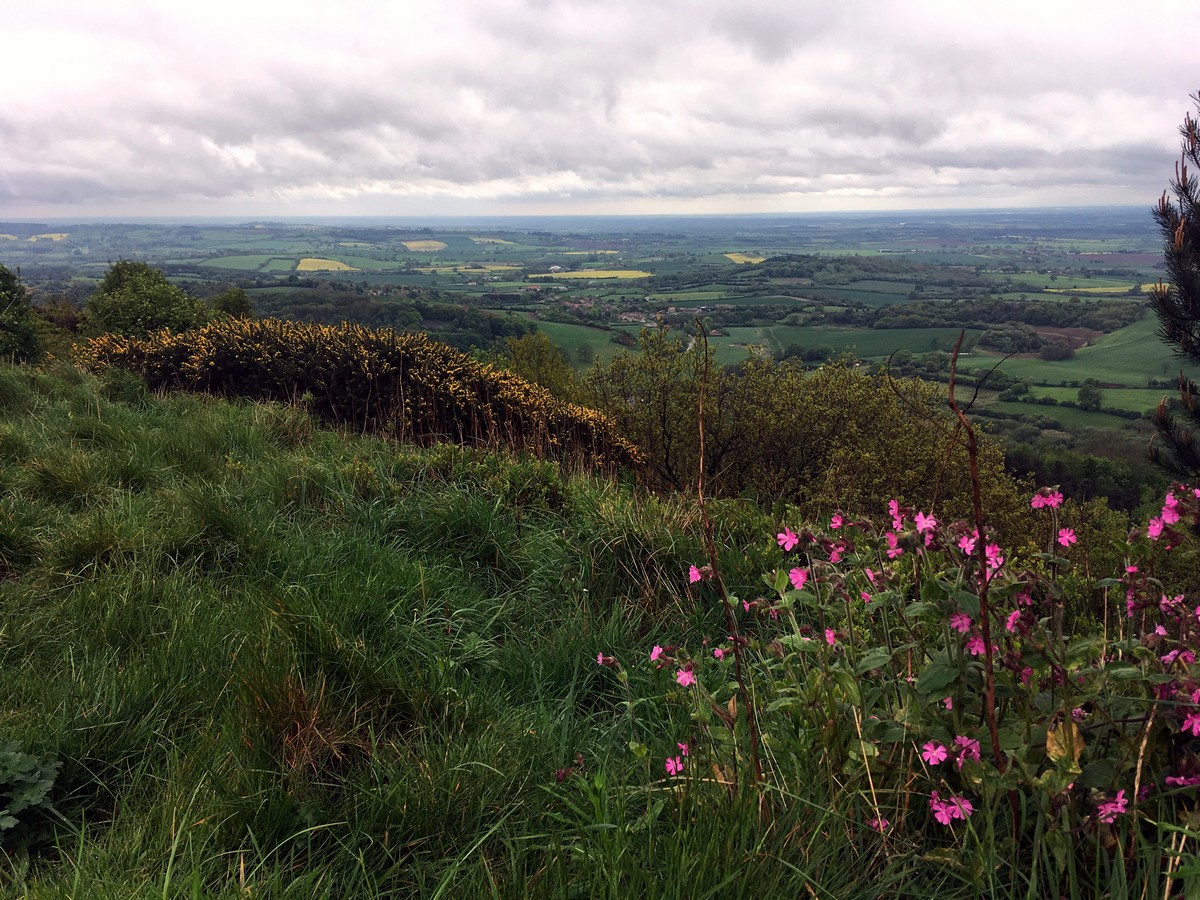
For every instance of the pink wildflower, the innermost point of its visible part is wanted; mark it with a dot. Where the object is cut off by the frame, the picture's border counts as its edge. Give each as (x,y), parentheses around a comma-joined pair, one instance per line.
(798,578)
(880,825)
(694,575)
(683,747)
(1154,528)
(718,653)
(894,511)
(1108,812)
(655,653)
(870,573)
(787,539)
(933,753)
(836,522)
(1066,536)
(962,807)
(1014,617)
(1192,723)
(685,678)
(968,749)
(960,622)
(602,660)
(746,605)
(674,765)
(994,559)
(893,543)
(925,523)
(830,637)
(966,544)
(948,703)
(975,646)
(866,598)
(943,812)
(835,555)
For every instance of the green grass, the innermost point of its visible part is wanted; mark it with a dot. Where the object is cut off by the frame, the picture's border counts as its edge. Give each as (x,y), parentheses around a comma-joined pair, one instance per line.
(1128,356)
(280,661)
(571,337)
(867,343)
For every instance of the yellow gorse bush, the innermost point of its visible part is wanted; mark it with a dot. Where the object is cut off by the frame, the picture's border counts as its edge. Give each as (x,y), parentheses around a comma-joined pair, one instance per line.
(403,385)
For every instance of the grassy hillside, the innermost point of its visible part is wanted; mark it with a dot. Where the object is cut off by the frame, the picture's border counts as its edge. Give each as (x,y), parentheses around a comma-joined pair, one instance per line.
(247,656)
(275,659)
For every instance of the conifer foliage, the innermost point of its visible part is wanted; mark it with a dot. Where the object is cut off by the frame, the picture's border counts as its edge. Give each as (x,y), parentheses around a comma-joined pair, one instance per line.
(1177,304)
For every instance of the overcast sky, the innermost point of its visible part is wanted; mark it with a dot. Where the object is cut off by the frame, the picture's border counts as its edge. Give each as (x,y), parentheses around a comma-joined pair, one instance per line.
(400,107)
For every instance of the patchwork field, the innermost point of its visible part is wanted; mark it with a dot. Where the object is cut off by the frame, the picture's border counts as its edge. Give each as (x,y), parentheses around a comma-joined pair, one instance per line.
(313,264)
(596,273)
(424,246)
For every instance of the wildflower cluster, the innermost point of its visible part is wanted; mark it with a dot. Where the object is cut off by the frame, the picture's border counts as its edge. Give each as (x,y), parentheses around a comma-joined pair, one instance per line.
(923,658)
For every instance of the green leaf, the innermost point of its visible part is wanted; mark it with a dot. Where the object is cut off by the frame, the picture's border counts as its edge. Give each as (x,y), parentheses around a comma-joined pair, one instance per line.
(936,678)
(873,659)
(968,601)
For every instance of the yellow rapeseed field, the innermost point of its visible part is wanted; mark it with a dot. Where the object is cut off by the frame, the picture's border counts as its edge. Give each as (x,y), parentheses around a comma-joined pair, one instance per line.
(314,264)
(56,236)
(597,273)
(424,246)
(740,258)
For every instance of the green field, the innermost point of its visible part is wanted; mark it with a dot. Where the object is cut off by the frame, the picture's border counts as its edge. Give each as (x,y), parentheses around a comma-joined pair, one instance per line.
(868,343)
(1128,356)
(1071,419)
(1136,399)
(570,337)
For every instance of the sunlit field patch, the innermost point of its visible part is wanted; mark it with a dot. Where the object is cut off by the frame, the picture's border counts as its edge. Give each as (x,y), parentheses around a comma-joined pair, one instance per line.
(56,236)
(596,273)
(590,252)
(1114,289)
(488,240)
(740,258)
(424,246)
(463,269)
(314,264)
(9,237)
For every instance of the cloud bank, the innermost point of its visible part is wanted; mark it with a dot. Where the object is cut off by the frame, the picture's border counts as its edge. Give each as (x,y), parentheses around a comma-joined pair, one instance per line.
(604,106)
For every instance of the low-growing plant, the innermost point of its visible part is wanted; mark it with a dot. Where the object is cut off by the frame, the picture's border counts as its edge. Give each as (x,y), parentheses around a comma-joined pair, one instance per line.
(25,785)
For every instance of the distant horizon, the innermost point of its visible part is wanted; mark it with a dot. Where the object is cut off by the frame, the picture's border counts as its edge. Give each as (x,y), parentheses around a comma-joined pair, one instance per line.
(408,219)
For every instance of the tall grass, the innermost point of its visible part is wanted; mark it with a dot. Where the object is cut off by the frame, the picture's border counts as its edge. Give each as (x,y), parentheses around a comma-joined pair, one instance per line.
(281,661)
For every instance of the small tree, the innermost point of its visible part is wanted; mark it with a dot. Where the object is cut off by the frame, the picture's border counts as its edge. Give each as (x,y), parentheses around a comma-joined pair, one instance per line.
(231,302)
(1090,397)
(1177,305)
(134,299)
(18,334)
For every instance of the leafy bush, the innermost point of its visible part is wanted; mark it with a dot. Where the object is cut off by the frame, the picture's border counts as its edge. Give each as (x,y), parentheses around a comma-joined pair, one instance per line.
(405,385)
